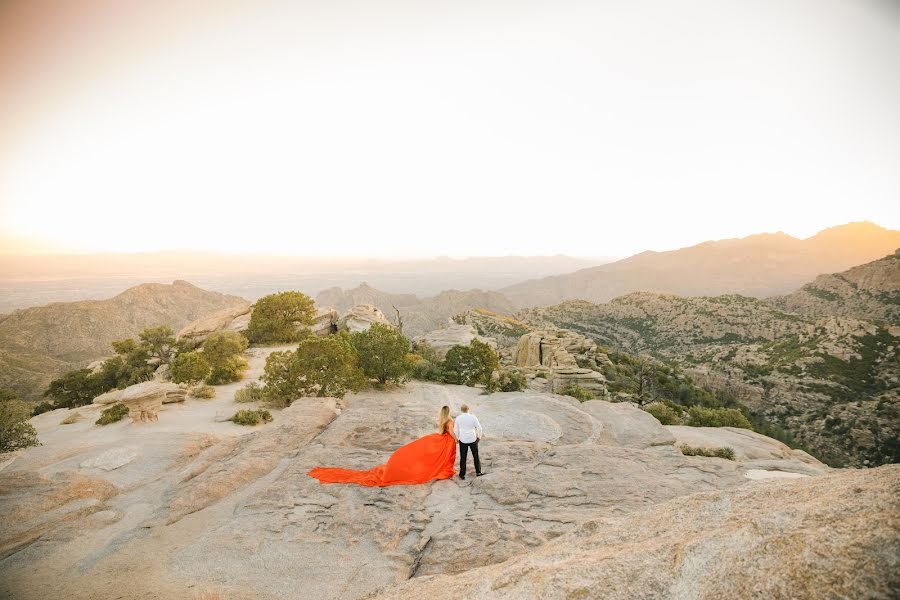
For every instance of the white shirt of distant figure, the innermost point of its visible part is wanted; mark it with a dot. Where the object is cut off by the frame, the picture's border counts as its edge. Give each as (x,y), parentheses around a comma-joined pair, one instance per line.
(467,428)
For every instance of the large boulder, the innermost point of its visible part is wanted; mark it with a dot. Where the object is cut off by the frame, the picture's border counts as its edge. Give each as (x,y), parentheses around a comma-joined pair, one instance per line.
(236,318)
(325,321)
(110,397)
(835,536)
(747,445)
(144,400)
(361,317)
(626,425)
(453,334)
(564,357)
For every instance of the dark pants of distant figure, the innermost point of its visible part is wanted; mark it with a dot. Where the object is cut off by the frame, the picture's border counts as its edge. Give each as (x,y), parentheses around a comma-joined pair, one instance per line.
(464,454)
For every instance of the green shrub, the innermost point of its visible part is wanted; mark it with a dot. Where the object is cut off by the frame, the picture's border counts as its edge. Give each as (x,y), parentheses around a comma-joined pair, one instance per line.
(75,388)
(320,366)
(508,381)
(15,430)
(203,392)
(8,394)
(190,367)
(41,408)
(664,414)
(726,452)
(427,364)
(470,365)
(381,352)
(699,416)
(252,392)
(72,418)
(251,417)
(114,413)
(277,318)
(159,343)
(222,351)
(578,392)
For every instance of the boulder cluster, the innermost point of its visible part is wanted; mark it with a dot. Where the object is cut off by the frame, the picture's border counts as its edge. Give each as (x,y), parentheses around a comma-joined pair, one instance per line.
(554,359)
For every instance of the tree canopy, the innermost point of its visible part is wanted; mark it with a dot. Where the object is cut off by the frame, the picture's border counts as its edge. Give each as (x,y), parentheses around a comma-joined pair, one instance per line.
(320,366)
(470,365)
(382,351)
(279,317)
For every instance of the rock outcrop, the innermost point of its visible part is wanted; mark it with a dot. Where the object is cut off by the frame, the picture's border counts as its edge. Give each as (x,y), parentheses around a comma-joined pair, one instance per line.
(807,539)
(193,500)
(555,353)
(453,334)
(325,322)
(235,318)
(361,317)
(144,400)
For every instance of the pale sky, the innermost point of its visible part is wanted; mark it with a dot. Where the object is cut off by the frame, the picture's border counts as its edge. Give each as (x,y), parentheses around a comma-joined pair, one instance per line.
(464,128)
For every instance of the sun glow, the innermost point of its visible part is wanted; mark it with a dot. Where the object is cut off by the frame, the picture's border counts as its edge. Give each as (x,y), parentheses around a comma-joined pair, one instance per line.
(400,129)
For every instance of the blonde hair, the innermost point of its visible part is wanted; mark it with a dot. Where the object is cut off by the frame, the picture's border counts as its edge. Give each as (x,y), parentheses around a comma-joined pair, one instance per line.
(443,419)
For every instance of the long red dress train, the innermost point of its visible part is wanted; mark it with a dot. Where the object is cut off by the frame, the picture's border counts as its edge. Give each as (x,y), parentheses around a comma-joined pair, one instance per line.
(426,459)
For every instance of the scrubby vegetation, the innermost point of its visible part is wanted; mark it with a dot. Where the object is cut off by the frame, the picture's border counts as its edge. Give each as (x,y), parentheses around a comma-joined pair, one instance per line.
(508,380)
(699,416)
(664,413)
(279,318)
(427,365)
(15,430)
(203,392)
(222,351)
(41,408)
(381,354)
(72,418)
(75,388)
(320,366)
(114,413)
(252,392)
(134,362)
(159,343)
(190,367)
(578,392)
(470,365)
(251,417)
(726,452)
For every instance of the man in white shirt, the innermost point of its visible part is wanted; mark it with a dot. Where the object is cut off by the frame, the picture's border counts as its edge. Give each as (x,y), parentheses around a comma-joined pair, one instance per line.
(468,431)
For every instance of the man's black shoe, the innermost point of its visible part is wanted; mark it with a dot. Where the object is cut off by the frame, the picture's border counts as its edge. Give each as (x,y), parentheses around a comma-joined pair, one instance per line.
(462,476)
(478,474)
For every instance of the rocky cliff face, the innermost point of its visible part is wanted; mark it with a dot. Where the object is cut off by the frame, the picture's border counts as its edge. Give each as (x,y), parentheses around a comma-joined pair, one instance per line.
(198,504)
(38,343)
(757,266)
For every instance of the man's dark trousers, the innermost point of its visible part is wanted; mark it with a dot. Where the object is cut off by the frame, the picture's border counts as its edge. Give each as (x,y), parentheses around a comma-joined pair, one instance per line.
(463,455)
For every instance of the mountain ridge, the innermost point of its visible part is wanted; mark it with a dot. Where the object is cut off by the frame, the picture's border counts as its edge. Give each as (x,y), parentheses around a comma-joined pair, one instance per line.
(40,342)
(759,265)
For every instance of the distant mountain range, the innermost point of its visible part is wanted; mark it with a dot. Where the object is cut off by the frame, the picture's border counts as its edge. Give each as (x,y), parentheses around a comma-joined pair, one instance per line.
(823,362)
(419,315)
(758,266)
(39,343)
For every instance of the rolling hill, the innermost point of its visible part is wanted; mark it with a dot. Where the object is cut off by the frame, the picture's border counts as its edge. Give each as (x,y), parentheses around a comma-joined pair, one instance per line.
(39,343)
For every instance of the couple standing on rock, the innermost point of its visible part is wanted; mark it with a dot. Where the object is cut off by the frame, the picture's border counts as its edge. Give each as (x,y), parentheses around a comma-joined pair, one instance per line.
(426,459)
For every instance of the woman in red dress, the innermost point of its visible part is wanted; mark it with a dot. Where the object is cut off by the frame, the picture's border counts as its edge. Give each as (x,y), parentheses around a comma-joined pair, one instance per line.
(426,459)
